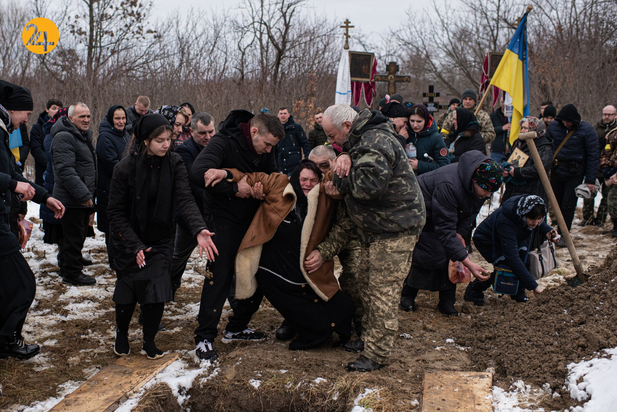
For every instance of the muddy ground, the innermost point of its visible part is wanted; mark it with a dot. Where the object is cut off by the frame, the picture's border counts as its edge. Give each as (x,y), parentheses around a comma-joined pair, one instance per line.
(533,342)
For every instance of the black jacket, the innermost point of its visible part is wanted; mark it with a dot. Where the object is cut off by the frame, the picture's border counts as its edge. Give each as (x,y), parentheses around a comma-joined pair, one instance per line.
(317,136)
(74,163)
(431,149)
(451,207)
(228,149)
(469,140)
(582,149)
(37,149)
(511,233)
(8,182)
(110,148)
(188,151)
(290,148)
(500,143)
(131,117)
(48,176)
(526,178)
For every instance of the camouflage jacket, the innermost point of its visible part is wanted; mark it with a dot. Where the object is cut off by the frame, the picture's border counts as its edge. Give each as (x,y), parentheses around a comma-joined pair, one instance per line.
(608,154)
(487,130)
(381,191)
(341,234)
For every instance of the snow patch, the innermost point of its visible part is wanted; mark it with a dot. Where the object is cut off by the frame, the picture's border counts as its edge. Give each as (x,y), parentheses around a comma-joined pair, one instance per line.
(519,398)
(593,380)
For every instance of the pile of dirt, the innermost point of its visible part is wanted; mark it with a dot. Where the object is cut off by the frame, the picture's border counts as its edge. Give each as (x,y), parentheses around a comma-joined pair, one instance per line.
(537,340)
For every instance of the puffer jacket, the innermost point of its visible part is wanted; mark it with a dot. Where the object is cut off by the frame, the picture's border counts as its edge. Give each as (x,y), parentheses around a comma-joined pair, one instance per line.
(431,149)
(37,149)
(581,151)
(291,147)
(317,136)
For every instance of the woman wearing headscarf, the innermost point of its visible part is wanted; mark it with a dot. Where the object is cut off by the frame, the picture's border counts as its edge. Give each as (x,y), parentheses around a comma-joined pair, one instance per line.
(110,148)
(147,185)
(431,152)
(524,178)
(466,135)
(500,239)
(453,195)
(178,117)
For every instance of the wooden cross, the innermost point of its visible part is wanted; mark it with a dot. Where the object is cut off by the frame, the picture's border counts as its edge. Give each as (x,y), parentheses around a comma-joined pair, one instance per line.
(346,34)
(430,105)
(392,78)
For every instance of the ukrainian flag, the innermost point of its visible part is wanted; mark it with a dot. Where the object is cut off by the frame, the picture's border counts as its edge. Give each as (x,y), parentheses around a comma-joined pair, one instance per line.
(512,75)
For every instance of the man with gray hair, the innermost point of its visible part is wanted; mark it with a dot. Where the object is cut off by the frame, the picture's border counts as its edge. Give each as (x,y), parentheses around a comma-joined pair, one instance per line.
(74,164)
(386,207)
(202,130)
(322,156)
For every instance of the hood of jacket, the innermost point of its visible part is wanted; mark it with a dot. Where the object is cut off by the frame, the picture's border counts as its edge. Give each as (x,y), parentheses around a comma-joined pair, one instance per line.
(65,125)
(105,127)
(367,120)
(230,127)
(467,165)
(43,117)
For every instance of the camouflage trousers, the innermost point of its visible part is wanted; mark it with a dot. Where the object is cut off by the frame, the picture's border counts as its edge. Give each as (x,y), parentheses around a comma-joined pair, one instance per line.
(589,206)
(384,266)
(611,201)
(350,258)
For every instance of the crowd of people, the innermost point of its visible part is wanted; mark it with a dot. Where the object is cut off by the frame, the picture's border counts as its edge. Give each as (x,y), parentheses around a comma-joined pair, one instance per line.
(393,193)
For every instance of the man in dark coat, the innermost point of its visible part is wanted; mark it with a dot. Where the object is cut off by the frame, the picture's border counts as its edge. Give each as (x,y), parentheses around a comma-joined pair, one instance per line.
(17,282)
(74,163)
(37,138)
(575,162)
(202,130)
(134,112)
(244,142)
(317,136)
(502,127)
(291,147)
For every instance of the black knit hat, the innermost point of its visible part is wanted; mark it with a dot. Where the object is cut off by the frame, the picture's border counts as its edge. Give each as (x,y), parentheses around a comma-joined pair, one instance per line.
(147,124)
(455,100)
(14,97)
(469,93)
(550,111)
(394,109)
(397,97)
(569,113)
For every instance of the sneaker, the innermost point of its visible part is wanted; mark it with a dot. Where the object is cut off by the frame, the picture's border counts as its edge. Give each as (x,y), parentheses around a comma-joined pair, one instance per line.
(247,334)
(79,280)
(19,349)
(205,351)
(121,346)
(151,351)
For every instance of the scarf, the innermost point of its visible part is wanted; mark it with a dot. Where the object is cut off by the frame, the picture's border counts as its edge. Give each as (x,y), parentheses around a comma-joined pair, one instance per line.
(526,203)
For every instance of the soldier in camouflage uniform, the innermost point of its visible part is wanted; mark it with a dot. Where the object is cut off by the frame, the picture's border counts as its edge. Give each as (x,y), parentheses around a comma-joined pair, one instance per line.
(469,102)
(608,166)
(386,207)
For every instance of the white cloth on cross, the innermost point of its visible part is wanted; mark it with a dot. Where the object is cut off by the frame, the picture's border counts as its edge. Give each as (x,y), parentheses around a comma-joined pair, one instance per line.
(343,80)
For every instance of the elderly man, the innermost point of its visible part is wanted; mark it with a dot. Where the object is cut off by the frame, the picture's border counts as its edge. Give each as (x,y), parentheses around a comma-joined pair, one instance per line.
(469,101)
(603,127)
(202,130)
(134,112)
(74,163)
(386,206)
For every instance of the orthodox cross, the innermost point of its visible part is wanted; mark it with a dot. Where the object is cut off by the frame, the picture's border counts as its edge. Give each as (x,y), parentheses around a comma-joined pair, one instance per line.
(430,105)
(392,78)
(346,26)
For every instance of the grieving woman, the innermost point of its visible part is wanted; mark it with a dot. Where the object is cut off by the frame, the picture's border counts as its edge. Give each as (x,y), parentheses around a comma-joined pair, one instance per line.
(147,186)
(503,239)
(466,135)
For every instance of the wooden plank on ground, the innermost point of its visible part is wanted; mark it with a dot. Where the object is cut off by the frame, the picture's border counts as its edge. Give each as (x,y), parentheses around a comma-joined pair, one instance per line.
(457,391)
(107,389)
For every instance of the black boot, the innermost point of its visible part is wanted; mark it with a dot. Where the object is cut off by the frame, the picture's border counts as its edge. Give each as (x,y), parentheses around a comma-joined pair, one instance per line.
(408,299)
(474,295)
(354,346)
(18,349)
(446,302)
(285,332)
(363,364)
(121,346)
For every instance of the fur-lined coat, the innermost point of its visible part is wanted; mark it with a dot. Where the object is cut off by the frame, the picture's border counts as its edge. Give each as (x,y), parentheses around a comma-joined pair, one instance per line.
(279,202)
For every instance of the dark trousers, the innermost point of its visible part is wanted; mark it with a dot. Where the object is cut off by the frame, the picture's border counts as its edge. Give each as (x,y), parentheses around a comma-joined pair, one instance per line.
(566,197)
(184,245)
(227,238)
(74,227)
(589,205)
(17,289)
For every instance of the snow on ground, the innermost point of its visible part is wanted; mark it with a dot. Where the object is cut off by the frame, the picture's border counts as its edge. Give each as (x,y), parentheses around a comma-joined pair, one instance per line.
(519,398)
(593,380)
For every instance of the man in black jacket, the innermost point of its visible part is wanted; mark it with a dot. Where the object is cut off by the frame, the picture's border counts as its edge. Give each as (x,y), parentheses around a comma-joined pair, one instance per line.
(291,147)
(202,130)
(244,142)
(74,163)
(502,127)
(134,112)
(37,137)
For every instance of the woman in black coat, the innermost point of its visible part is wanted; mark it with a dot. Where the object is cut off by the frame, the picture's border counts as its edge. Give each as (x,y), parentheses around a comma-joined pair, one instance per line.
(147,185)
(466,135)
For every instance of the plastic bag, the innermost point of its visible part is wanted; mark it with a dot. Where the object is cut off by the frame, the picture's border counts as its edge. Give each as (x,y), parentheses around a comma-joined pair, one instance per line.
(25,230)
(458,273)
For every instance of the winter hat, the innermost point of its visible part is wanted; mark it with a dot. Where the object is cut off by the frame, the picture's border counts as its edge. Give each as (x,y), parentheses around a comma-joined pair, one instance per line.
(382,102)
(469,93)
(535,125)
(147,124)
(60,113)
(394,109)
(550,111)
(397,97)
(488,176)
(455,100)
(14,97)
(264,110)
(569,113)
(111,111)
(190,106)
(526,203)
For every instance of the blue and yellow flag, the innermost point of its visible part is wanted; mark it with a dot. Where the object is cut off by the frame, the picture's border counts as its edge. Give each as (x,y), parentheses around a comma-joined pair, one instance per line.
(512,75)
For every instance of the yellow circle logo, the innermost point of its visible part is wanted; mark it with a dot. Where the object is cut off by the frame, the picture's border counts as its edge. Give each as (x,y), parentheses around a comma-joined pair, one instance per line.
(40,35)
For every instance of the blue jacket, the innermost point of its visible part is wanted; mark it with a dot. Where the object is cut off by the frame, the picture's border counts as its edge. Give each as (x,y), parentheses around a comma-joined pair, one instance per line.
(581,148)
(48,176)
(37,136)
(511,233)
(290,148)
(110,148)
(429,142)
(188,151)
